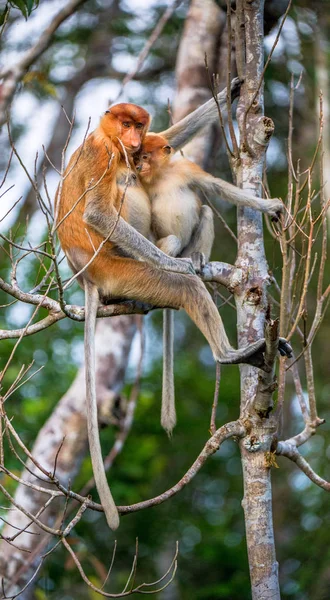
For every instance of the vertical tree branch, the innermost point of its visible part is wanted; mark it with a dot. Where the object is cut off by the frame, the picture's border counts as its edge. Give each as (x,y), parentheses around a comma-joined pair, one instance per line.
(251,304)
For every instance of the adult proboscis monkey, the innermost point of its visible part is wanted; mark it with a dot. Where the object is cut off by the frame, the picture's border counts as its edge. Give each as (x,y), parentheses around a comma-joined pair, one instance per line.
(103,221)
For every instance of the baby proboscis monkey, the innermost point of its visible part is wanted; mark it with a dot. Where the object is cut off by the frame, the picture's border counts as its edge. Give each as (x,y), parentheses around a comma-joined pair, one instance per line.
(182,226)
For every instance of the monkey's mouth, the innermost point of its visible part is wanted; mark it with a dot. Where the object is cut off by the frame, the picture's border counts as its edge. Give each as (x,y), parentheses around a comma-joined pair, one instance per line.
(143,171)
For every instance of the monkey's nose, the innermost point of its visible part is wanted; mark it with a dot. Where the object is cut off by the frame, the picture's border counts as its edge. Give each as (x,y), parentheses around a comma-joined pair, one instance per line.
(138,167)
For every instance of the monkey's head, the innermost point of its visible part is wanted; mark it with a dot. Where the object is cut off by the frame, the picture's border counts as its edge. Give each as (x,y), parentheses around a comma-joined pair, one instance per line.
(126,124)
(154,155)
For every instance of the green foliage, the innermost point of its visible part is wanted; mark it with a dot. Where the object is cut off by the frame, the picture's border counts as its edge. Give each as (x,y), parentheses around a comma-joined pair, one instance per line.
(25,6)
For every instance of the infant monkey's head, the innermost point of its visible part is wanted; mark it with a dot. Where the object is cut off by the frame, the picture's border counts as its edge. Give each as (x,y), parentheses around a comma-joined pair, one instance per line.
(154,155)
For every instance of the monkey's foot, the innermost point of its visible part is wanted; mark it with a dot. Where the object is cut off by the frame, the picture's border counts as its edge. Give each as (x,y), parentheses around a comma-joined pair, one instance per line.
(254,353)
(284,347)
(133,304)
(235,87)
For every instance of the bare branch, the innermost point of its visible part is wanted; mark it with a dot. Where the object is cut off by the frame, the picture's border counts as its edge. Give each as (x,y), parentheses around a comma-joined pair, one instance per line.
(291,452)
(234,429)
(138,589)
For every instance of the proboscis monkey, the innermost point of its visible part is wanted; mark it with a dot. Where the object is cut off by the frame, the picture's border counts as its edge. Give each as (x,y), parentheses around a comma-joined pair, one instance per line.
(182,226)
(103,221)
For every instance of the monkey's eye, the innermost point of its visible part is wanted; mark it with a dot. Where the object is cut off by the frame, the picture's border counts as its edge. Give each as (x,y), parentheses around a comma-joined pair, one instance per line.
(144,157)
(139,125)
(126,124)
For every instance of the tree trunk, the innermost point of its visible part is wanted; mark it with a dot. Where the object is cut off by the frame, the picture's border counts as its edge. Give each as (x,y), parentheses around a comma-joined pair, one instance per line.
(251,304)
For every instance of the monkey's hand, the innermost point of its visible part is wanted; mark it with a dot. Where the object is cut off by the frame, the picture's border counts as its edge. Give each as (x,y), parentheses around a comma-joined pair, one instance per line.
(254,353)
(198,260)
(180,265)
(275,208)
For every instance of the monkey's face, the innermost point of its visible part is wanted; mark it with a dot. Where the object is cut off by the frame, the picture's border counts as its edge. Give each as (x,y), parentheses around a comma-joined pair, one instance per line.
(150,161)
(131,134)
(127,125)
(143,167)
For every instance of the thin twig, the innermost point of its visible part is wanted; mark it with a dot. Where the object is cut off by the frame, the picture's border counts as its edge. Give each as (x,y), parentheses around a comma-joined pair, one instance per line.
(215,399)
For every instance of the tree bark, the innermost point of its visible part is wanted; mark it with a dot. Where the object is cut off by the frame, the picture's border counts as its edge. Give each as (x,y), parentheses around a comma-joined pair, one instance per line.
(205,31)
(251,304)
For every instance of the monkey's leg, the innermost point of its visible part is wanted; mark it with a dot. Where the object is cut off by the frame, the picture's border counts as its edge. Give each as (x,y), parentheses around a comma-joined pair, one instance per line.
(170,244)
(132,279)
(136,280)
(203,237)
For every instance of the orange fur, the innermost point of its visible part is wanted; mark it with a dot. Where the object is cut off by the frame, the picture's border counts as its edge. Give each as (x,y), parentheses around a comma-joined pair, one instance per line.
(154,155)
(93,177)
(100,159)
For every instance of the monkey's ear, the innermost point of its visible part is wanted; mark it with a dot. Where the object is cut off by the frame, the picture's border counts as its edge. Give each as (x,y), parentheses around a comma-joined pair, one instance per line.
(167,149)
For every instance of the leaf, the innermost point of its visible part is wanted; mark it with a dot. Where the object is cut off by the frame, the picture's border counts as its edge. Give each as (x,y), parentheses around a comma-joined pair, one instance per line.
(32,75)
(20,4)
(4,14)
(39,79)
(29,5)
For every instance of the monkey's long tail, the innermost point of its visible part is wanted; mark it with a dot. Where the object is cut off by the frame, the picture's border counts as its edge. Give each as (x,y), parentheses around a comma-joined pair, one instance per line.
(110,509)
(168,415)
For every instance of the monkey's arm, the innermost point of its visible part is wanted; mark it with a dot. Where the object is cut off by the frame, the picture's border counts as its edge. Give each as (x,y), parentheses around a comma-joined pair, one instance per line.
(182,132)
(229,192)
(117,230)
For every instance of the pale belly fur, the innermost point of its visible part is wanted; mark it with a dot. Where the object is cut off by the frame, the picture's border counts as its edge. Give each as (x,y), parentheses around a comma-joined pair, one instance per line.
(180,217)
(138,209)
